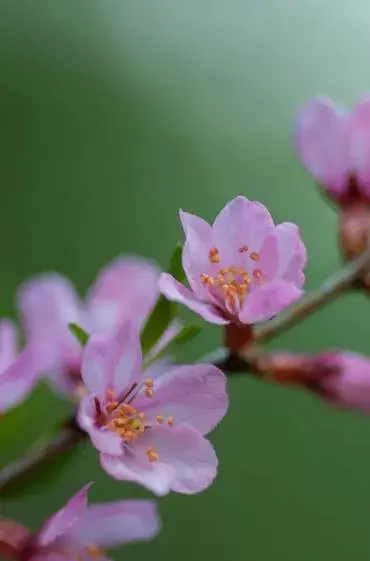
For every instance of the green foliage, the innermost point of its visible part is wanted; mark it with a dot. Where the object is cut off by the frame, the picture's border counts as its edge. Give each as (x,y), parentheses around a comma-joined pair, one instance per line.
(81,335)
(164,311)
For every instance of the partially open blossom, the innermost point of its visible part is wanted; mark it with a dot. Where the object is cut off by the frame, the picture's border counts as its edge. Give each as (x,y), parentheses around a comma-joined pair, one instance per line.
(243,269)
(341,378)
(334,145)
(125,289)
(18,369)
(79,531)
(150,430)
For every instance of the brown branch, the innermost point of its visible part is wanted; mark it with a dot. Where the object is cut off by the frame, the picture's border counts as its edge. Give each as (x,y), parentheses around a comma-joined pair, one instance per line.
(308,304)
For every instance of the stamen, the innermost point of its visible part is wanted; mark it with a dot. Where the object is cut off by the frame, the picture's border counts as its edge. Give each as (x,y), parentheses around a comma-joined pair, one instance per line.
(257,273)
(214,255)
(153,456)
(149,392)
(159,419)
(243,249)
(254,256)
(170,421)
(110,394)
(206,279)
(112,406)
(149,383)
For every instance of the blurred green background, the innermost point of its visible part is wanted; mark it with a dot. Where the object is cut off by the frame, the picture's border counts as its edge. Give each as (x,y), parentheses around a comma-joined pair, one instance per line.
(113,115)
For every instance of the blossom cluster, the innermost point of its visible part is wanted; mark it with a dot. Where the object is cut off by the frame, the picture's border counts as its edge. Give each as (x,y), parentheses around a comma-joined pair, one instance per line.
(147,417)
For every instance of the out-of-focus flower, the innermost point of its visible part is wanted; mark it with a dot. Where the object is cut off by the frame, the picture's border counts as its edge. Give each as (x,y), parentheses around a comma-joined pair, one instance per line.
(126,289)
(340,378)
(150,431)
(334,145)
(18,370)
(79,531)
(243,269)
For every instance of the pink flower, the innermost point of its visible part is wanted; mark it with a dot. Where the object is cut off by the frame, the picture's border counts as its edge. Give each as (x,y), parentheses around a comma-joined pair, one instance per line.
(78,531)
(150,431)
(243,269)
(18,370)
(334,145)
(126,289)
(340,378)
(344,380)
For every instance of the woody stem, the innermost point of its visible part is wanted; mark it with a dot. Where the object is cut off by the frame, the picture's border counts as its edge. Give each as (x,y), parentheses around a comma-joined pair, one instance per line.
(333,287)
(61,442)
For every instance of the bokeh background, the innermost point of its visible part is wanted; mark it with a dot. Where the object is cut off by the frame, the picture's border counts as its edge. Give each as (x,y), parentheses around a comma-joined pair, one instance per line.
(113,115)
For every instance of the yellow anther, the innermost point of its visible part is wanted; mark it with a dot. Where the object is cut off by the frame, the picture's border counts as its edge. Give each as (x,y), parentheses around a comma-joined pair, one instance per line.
(159,419)
(206,279)
(120,421)
(149,392)
(254,256)
(149,383)
(214,255)
(111,406)
(127,409)
(153,456)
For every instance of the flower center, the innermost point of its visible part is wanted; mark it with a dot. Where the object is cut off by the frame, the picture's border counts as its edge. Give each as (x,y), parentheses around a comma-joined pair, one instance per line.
(232,283)
(122,417)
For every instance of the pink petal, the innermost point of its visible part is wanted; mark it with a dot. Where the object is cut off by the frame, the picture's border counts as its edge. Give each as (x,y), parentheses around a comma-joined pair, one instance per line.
(177,292)
(64,519)
(268,300)
(187,462)
(241,223)
(8,343)
(191,394)
(112,362)
(268,261)
(112,524)
(322,141)
(360,143)
(103,439)
(195,255)
(292,253)
(125,290)
(350,387)
(18,380)
(47,556)
(47,304)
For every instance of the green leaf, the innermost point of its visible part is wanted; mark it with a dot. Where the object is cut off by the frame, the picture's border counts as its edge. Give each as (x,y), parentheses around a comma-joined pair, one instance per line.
(34,481)
(185,335)
(81,335)
(37,422)
(175,268)
(164,311)
(160,318)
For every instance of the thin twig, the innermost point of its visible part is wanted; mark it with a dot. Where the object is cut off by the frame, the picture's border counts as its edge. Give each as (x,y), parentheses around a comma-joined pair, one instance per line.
(328,291)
